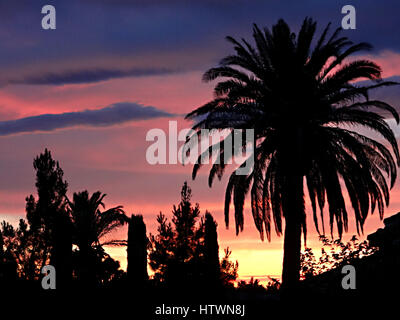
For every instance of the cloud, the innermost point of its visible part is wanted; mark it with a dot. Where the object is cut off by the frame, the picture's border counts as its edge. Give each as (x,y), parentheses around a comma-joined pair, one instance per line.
(88,76)
(166,35)
(113,114)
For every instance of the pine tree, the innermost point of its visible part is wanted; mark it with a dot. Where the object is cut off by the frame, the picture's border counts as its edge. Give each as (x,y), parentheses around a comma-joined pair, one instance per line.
(162,248)
(174,254)
(185,253)
(229,269)
(49,220)
(184,218)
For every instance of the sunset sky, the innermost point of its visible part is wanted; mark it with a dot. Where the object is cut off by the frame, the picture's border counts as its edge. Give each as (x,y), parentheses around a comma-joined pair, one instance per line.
(137,65)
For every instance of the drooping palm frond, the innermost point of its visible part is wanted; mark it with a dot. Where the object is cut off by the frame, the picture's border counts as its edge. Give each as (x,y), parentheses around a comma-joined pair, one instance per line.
(115,243)
(90,224)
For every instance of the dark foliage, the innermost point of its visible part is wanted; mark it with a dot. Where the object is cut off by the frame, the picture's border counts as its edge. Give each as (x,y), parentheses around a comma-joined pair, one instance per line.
(89,225)
(137,251)
(185,253)
(53,225)
(304,104)
(334,254)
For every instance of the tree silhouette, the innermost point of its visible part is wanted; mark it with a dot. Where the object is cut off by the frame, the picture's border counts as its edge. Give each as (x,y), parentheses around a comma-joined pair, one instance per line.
(8,265)
(48,219)
(1,250)
(253,286)
(185,253)
(211,247)
(53,225)
(137,251)
(304,105)
(162,246)
(89,225)
(18,249)
(61,256)
(175,252)
(229,269)
(185,217)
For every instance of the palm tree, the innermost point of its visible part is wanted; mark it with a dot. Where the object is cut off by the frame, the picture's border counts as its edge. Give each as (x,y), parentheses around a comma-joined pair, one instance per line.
(304,105)
(90,224)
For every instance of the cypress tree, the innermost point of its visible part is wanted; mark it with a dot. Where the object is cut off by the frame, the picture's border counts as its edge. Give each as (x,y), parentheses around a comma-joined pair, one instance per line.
(137,251)
(211,247)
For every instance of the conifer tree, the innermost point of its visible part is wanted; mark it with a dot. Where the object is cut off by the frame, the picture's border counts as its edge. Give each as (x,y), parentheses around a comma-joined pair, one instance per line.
(137,251)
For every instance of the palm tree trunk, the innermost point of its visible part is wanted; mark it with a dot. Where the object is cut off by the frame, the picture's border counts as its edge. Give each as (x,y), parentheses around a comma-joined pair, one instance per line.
(61,256)
(293,210)
(84,265)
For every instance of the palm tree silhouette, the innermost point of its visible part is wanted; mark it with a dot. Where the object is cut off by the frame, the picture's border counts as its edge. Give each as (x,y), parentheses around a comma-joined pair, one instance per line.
(304,105)
(90,224)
